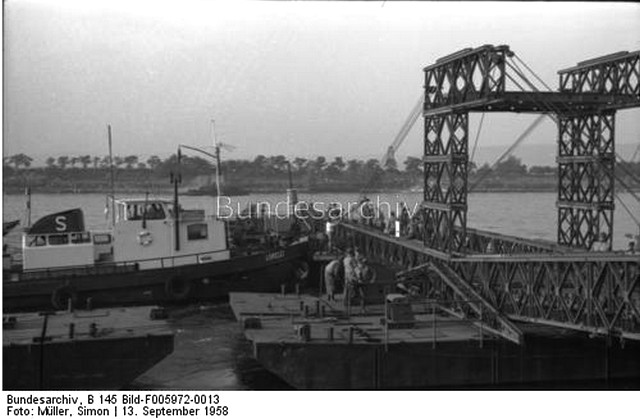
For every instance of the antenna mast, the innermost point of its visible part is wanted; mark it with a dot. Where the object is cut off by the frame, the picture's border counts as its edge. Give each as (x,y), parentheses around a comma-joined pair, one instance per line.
(217,148)
(113,181)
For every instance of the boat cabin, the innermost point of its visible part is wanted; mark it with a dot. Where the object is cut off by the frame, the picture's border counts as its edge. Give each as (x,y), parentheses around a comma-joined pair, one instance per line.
(146,232)
(57,240)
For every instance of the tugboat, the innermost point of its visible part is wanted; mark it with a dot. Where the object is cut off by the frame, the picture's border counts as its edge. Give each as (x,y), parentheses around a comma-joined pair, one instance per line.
(155,253)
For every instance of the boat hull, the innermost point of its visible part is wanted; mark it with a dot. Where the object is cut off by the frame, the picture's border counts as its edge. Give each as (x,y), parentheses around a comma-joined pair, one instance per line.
(264,271)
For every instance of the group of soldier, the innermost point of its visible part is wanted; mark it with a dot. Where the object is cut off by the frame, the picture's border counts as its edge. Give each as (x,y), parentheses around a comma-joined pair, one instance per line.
(349,273)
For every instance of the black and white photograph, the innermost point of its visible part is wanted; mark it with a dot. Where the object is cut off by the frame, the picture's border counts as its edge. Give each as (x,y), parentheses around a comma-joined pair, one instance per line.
(204,196)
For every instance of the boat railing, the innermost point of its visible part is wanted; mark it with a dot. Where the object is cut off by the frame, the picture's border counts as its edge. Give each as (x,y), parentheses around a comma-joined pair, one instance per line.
(105,268)
(181,260)
(62,272)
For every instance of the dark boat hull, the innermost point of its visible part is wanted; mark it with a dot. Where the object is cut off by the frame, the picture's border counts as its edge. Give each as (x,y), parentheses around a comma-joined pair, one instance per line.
(264,271)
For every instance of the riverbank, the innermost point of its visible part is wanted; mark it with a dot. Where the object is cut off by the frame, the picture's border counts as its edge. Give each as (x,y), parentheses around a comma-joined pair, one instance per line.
(130,183)
(156,190)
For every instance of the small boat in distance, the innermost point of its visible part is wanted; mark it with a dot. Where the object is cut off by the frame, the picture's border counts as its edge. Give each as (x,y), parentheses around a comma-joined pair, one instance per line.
(211,190)
(155,253)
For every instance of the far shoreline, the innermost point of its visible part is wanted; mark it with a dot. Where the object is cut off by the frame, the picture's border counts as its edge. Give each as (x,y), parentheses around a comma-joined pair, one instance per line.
(15,192)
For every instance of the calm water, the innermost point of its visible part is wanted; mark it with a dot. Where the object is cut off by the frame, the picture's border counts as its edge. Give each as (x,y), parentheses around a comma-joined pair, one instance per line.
(530,215)
(209,350)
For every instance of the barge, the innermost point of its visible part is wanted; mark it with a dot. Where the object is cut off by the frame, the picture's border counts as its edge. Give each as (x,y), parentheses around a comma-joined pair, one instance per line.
(84,350)
(312,343)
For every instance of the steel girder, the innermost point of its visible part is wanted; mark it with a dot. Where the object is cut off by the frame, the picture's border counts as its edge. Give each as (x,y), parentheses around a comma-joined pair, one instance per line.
(586,160)
(446,157)
(468,75)
(465,76)
(443,286)
(586,147)
(473,80)
(595,292)
(599,295)
(479,242)
(615,74)
(383,248)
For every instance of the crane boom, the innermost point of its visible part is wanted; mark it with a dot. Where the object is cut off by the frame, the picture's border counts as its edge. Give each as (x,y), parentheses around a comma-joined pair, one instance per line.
(404,131)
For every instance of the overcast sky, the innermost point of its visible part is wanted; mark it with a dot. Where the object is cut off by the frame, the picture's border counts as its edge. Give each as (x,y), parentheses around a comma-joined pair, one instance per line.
(292,78)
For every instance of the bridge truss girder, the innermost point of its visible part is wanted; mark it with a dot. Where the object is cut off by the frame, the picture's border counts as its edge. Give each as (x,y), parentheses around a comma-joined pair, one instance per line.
(597,293)
(446,156)
(586,147)
(586,163)
(474,80)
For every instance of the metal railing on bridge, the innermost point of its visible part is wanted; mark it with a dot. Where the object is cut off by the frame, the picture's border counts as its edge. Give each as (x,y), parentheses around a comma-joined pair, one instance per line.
(598,292)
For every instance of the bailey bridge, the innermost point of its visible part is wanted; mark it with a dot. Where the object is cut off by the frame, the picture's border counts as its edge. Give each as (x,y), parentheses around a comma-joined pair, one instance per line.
(563,284)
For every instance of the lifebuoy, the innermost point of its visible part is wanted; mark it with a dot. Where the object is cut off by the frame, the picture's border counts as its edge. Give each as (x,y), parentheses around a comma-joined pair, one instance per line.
(177,288)
(61,295)
(145,238)
(301,270)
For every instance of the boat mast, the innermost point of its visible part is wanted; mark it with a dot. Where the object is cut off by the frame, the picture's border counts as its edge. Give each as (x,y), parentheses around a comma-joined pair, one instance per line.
(176,179)
(217,148)
(27,192)
(292,193)
(113,181)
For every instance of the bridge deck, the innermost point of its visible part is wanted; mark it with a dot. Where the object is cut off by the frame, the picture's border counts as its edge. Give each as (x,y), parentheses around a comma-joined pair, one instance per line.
(595,291)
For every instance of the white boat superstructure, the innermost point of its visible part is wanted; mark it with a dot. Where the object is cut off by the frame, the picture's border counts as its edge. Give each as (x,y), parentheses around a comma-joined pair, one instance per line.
(146,231)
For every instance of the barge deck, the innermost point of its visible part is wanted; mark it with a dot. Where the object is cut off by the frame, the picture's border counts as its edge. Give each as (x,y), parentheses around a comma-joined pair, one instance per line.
(312,343)
(91,350)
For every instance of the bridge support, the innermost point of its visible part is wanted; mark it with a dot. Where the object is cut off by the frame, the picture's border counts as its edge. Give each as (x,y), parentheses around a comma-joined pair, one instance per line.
(446,155)
(469,75)
(586,160)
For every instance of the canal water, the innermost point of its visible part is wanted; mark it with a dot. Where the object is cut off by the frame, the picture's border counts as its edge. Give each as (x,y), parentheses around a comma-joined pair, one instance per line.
(210,353)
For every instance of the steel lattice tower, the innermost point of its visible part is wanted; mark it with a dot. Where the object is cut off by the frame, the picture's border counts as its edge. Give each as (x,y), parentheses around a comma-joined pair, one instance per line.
(474,80)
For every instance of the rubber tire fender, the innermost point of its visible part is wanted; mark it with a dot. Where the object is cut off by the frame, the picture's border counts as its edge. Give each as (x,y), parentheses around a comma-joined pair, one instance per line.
(301,270)
(177,289)
(61,295)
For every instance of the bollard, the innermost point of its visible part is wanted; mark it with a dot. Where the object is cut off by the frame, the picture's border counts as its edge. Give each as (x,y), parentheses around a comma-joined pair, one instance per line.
(298,289)
(303,331)
(306,332)
(89,303)
(72,330)
(282,290)
(69,305)
(93,330)
(330,333)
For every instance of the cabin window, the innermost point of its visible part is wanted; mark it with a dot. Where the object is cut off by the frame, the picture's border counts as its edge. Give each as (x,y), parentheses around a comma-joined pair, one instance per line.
(154,212)
(102,238)
(77,238)
(134,212)
(148,211)
(57,239)
(197,232)
(37,241)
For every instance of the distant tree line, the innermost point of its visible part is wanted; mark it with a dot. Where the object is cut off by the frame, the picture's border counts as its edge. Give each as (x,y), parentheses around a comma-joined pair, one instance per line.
(262,171)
